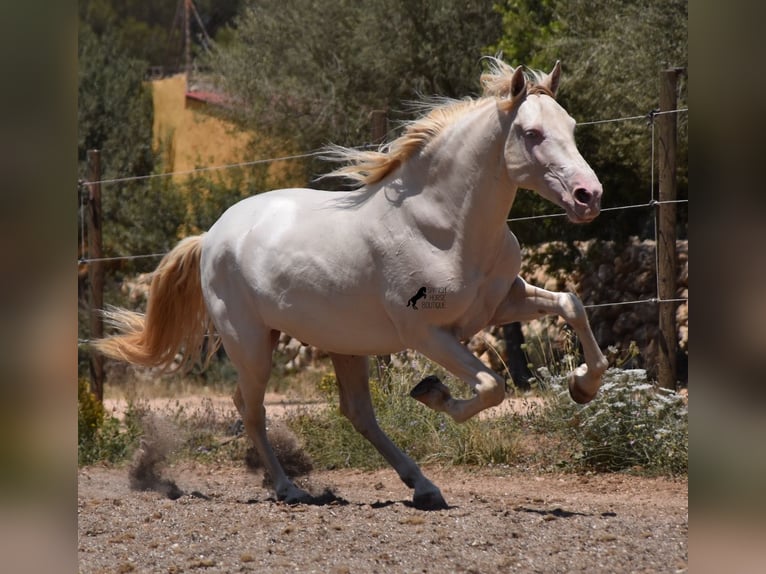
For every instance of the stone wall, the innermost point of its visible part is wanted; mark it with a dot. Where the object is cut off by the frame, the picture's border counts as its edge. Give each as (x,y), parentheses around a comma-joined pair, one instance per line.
(607,273)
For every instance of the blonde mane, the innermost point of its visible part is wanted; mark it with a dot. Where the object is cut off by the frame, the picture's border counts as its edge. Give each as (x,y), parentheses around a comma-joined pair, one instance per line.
(369,167)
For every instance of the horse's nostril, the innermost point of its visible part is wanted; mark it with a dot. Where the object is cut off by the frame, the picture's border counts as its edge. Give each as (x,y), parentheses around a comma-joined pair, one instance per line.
(582,195)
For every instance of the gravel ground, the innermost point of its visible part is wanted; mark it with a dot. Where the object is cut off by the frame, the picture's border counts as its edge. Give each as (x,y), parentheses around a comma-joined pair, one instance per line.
(499,520)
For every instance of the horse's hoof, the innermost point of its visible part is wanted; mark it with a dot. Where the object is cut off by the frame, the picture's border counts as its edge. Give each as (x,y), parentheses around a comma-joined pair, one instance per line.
(296,496)
(578,395)
(431,392)
(429,501)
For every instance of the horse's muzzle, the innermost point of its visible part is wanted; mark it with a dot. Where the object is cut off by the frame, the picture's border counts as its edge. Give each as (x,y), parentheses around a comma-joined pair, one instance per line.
(587,203)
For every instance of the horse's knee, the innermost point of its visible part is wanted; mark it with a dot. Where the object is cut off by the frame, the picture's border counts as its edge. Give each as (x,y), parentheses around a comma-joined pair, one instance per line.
(580,395)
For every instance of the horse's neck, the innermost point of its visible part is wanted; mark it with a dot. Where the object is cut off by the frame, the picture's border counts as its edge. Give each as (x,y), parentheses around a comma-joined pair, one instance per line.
(466,191)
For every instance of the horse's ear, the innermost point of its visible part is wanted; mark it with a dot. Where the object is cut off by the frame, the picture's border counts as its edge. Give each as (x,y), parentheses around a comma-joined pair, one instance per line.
(518,82)
(552,79)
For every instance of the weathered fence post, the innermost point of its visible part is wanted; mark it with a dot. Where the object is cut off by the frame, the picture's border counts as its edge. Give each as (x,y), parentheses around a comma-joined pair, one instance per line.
(666,232)
(378,125)
(95,270)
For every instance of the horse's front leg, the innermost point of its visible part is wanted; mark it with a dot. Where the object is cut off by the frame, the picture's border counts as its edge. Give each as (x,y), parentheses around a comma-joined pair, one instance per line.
(525,302)
(442,347)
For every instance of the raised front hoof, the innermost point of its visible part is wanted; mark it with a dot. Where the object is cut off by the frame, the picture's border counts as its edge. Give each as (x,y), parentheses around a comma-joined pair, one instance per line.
(431,392)
(578,395)
(430,501)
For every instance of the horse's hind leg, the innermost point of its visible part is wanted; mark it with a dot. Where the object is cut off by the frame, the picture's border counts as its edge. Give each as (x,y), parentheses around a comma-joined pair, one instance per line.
(356,405)
(251,356)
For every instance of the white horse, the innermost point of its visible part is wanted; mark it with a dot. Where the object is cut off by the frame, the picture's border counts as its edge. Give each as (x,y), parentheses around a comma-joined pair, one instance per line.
(419,257)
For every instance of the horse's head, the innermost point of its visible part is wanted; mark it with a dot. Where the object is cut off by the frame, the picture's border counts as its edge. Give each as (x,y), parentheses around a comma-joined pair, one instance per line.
(540,151)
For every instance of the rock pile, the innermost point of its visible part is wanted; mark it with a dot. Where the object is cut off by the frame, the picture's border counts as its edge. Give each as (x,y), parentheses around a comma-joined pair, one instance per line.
(608,273)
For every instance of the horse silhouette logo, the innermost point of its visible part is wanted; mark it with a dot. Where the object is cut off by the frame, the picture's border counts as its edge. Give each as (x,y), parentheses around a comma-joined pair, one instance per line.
(416,297)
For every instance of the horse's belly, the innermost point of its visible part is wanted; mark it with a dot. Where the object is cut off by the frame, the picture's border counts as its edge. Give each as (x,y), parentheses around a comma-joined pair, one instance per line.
(338,324)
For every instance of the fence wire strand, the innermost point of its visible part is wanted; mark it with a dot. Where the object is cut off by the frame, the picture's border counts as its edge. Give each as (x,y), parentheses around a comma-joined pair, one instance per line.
(204,169)
(652,203)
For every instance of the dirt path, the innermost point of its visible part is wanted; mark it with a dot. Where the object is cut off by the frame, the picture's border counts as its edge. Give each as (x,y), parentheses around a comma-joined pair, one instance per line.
(500,520)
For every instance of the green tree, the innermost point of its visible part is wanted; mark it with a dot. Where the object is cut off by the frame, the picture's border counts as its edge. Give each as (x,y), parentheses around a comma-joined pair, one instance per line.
(528,26)
(311,71)
(153,31)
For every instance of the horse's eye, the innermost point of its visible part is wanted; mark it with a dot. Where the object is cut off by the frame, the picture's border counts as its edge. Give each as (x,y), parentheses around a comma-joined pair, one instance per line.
(533,135)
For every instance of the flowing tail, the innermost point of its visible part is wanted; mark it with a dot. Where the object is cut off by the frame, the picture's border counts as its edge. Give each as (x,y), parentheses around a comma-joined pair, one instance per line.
(176,320)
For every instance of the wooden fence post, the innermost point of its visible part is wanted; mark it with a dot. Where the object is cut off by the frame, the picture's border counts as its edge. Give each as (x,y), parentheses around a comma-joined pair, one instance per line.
(666,232)
(378,125)
(95,270)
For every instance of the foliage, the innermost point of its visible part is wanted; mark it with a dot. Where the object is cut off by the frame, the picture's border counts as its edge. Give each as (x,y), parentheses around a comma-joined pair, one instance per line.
(90,412)
(310,72)
(115,116)
(197,432)
(314,70)
(632,424)
(178,431)
(101,437)
(153,31)
(114,109)
(528,26)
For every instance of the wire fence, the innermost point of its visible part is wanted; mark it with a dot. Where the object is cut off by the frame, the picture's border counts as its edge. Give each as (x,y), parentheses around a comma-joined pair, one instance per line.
(651,203)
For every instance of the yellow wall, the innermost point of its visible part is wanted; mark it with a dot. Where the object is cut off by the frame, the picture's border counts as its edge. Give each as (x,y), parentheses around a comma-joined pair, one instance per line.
(189,138)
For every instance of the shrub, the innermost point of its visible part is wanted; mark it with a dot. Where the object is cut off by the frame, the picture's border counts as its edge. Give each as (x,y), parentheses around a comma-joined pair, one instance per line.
(101,437)
(632,424)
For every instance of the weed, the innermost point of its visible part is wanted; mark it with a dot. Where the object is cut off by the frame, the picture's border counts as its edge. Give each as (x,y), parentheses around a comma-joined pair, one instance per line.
(101,437)
(632,424)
